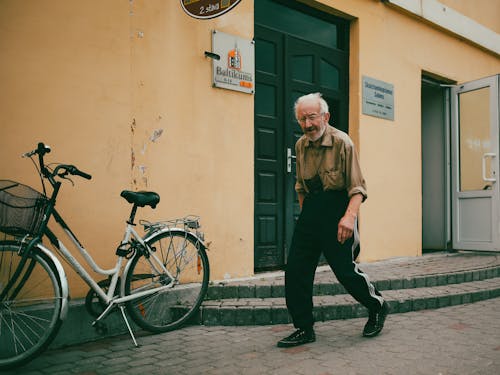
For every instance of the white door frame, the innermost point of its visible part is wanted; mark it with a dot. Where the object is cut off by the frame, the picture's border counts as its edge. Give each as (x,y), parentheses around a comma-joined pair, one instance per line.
(475,205)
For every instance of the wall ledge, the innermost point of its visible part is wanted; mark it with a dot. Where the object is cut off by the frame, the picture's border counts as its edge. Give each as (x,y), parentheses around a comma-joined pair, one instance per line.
(449,19)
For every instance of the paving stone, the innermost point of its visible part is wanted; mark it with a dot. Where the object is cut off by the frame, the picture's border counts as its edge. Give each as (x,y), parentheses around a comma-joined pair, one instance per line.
(442,279)
(443,301)
(215,292)
(263,291)
(246,291)
(408,283)
(468,276)
(210,316)
(327,289)
(431,281)
(419,304)
(262,315)
(279,315)
(277,290)
(396,284)
(383,284)
(244,316)
(227,315)
(230,291)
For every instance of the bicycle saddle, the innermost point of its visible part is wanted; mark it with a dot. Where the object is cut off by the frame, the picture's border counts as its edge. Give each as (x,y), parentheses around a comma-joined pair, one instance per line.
(141,198)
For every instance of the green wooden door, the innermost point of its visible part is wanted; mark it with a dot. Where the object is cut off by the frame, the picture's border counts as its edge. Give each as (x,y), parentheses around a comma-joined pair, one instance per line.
(269,145)
(288,66)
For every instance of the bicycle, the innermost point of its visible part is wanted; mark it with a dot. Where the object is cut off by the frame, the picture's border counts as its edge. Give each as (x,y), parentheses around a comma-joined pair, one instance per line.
(160,278)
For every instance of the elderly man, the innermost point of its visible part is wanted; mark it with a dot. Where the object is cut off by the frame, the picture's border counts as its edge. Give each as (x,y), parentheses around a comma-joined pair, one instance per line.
(330,189)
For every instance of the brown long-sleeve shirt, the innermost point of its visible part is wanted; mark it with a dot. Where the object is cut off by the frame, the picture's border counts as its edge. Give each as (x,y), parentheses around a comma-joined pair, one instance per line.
(335,160)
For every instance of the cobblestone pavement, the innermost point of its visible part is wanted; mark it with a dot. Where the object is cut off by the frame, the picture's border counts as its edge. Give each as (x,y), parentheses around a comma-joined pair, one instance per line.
(463,339)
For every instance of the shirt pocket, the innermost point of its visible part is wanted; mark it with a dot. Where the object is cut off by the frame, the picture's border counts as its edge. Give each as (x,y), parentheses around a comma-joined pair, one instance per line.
(333,179)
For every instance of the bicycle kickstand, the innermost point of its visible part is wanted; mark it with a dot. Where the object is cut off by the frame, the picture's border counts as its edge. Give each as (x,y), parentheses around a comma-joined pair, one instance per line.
(122,309)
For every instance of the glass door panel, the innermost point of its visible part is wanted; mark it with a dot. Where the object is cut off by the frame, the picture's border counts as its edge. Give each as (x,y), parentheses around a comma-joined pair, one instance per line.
(475,139)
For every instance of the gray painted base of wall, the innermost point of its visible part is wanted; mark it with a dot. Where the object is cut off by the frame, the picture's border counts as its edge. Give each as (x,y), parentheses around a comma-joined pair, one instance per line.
(77,327)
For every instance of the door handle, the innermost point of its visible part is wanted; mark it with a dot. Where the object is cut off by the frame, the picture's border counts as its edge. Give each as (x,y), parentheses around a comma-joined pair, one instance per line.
(289,158)
(488,155)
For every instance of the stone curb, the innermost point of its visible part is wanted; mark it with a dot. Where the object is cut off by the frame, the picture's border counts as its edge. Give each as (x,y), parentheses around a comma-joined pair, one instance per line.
(276,289)
(267,311)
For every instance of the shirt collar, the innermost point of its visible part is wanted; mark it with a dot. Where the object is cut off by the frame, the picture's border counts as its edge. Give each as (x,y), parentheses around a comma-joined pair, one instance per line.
(326,139)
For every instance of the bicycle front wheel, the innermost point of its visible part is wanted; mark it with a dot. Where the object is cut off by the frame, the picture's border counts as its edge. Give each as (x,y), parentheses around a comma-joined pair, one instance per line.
(29,310)
(187,275)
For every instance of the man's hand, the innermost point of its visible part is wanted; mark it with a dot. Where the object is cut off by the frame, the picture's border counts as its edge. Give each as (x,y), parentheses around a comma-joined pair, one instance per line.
(346,224)
(346,227)
(301,197)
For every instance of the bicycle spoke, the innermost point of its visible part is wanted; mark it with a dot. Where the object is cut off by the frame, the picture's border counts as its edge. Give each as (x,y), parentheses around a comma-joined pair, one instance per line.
(30,318)
(187,276)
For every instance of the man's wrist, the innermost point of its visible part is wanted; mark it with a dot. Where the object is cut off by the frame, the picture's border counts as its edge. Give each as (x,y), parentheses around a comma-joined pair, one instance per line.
(351,213)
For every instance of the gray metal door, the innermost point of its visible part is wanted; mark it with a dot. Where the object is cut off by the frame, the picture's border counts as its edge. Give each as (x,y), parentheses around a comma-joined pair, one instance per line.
(475,165)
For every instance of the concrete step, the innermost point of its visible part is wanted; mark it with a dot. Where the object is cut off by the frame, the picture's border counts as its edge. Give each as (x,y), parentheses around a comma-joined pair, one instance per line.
(327,284)
(272,310)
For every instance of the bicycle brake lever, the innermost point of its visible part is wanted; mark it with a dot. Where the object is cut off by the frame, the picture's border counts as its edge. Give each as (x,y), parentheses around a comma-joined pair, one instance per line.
(64,175)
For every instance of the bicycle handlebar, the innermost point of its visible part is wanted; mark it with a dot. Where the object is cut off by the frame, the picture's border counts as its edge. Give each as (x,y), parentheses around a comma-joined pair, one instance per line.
(62,170)
(72,170)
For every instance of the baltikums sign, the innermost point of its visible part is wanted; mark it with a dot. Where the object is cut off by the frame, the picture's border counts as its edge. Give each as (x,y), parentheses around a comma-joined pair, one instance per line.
(235,67)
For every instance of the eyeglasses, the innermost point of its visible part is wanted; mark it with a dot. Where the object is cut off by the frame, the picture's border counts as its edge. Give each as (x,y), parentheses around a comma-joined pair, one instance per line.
(312,117)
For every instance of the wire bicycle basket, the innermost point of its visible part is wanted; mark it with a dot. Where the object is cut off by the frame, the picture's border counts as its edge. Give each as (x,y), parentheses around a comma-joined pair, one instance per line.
(21,209)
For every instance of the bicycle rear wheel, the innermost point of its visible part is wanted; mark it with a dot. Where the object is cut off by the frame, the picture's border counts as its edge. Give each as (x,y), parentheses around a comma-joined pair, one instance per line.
(188,273)
(30,311)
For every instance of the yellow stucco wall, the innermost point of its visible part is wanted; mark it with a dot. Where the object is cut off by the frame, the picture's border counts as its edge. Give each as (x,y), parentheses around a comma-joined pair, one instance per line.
(203,161)
(65,73)
(122,89)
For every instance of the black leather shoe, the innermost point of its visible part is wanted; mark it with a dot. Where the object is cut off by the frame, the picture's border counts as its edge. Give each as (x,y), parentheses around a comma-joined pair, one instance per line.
(376,321)
(299,337)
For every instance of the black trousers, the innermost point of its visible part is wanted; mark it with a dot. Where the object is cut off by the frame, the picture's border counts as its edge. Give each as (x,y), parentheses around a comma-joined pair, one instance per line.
(316,233)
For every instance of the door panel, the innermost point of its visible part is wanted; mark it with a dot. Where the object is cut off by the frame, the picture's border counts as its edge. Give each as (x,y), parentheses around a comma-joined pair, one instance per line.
(475,165)
(269,197)
(475,223)
(311,68)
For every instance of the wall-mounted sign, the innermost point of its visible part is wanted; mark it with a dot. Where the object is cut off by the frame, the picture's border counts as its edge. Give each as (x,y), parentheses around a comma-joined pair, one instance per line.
(235,67)
(378,98)
(207,8)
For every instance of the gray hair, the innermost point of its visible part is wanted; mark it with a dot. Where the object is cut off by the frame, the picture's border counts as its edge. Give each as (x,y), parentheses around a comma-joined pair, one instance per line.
(314,96)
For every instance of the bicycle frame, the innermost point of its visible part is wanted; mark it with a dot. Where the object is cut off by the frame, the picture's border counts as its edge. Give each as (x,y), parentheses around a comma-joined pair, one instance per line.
(109,297)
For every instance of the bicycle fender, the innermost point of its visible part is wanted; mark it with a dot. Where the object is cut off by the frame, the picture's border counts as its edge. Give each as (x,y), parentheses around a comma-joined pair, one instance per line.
(62,278)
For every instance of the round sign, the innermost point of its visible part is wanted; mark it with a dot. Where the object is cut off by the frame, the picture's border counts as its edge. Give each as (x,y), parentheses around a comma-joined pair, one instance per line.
(207,8)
